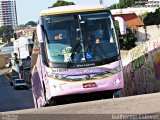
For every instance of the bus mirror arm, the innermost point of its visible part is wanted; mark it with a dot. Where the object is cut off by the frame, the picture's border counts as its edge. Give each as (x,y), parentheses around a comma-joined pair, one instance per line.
(122,25)
(40,33)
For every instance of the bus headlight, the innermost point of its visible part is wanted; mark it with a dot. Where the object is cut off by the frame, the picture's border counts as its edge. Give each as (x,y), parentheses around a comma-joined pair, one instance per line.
(115,70)
(52,74)
(58,76)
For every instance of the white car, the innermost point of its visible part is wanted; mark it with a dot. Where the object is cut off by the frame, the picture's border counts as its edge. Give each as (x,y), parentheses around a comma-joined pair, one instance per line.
(20,83)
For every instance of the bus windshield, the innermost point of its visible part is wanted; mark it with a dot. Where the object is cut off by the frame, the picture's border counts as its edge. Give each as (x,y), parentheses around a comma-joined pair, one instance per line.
(80,37)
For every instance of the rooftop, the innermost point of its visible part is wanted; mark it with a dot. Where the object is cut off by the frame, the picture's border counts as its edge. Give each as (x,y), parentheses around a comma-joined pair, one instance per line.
(132,20)
(26,28)
(71,9)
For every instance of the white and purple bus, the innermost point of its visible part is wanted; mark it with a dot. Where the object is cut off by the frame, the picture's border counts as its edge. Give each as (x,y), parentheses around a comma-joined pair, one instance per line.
(79,54)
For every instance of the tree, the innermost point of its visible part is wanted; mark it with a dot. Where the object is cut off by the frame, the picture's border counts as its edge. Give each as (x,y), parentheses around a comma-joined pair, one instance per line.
(127,41)
(123,4)
(114,6)
(6,32)
(152,18)
(31,23)
(62,3)
(143,16)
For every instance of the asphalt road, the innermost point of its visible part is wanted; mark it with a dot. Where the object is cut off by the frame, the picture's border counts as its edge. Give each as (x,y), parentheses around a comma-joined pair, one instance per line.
(11,99)
(141,107)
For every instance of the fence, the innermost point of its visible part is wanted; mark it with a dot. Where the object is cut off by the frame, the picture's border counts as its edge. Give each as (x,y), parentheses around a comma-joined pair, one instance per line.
(4,58)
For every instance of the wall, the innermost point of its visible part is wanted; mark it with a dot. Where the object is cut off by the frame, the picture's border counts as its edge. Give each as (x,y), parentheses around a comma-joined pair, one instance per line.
(138,11)
(4,59)
(151,32)
(142,68)
(21,47)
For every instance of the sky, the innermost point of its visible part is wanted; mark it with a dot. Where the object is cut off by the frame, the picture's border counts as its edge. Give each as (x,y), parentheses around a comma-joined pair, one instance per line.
(29,10)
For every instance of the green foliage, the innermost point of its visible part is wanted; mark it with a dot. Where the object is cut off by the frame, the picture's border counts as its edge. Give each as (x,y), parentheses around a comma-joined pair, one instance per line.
(152,18)
(6,32)
(31,23)
(62,3)
(114,6)
(123,4)
(126,3)
(127,41)
(143,16)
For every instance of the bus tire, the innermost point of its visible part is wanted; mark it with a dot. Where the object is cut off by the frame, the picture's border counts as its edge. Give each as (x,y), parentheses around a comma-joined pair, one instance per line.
(52,102)
(44,93)
(36,104)
(109,94)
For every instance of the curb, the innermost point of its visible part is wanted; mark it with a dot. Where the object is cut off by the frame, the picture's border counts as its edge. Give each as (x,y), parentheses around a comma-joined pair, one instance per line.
(6,76)
(4,72)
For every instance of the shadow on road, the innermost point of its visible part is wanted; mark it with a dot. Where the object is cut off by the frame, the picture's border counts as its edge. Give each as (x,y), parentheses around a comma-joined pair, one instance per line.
(11,99)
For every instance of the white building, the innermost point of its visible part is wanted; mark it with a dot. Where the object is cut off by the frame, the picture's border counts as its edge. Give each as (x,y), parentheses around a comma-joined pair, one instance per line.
(138,11)
(8,14)
(22,46)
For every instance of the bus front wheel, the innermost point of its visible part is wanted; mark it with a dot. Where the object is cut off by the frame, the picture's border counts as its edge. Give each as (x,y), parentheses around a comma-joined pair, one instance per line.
(52,102)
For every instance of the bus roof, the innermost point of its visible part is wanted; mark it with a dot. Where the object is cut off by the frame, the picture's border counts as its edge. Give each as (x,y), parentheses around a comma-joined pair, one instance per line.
(71,9)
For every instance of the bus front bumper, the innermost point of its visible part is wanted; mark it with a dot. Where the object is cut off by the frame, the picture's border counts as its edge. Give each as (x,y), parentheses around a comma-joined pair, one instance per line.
(80,87)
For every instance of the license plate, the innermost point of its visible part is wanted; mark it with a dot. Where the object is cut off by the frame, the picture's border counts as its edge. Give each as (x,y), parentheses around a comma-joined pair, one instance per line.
(89,85)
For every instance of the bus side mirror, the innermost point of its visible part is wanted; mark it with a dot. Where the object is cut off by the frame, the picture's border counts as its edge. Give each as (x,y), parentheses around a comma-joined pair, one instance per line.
(122,24)
(40,33)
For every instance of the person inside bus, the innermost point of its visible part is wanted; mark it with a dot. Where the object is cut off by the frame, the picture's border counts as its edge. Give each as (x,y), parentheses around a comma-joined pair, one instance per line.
(89,37)
(101,40)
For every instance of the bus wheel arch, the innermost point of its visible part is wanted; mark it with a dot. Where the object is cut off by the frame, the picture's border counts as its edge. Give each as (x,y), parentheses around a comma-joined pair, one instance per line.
(44,93)
(52,102)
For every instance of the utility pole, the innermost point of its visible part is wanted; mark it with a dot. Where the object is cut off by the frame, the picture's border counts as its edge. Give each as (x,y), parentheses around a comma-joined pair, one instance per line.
(18,49)
(101,2)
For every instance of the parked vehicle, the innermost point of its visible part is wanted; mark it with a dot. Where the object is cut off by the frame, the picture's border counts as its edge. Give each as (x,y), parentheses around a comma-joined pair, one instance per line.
(13,79)
(79,53)
(20,83)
